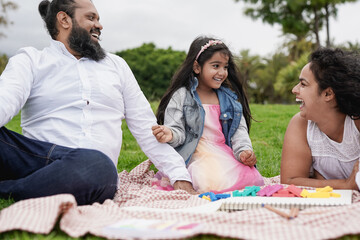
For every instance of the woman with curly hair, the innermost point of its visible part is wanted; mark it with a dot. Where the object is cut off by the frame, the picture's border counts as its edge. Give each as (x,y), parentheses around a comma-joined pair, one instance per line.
(322,141)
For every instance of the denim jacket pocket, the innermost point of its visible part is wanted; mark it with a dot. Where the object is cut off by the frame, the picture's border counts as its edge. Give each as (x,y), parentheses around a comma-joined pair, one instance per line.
(193,122)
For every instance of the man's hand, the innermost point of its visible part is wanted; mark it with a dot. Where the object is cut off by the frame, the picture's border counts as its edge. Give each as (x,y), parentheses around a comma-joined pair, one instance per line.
(162,133)
(248,158)
(185,185)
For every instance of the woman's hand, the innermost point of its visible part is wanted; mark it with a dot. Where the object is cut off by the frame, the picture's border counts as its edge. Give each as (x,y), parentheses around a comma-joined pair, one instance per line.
(350,182)
(162,133)
(248,158)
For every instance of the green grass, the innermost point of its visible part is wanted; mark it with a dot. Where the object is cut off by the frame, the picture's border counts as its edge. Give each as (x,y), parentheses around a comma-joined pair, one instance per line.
(267,134)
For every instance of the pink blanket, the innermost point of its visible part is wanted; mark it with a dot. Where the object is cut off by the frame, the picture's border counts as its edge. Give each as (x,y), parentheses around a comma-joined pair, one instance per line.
(136,199)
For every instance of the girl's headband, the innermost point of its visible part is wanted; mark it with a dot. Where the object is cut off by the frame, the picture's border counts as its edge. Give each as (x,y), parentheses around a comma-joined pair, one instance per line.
(206,46)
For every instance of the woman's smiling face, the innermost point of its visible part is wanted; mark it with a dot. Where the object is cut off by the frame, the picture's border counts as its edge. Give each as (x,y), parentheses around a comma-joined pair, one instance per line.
(307,92)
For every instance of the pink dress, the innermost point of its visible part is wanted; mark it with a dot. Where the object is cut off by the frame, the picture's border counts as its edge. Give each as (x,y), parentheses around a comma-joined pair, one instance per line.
(213,166)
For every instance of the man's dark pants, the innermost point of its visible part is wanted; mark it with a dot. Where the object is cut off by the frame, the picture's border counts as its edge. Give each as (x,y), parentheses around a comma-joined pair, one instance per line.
(31,168)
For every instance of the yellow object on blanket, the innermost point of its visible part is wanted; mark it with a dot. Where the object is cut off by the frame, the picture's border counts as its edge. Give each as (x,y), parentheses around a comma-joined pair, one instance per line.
(325,192)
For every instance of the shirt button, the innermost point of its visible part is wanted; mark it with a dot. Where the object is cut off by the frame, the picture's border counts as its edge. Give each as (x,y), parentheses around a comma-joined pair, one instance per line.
(225,115)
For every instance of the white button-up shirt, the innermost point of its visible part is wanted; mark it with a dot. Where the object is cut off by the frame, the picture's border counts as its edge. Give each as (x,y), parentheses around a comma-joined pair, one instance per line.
(81,103)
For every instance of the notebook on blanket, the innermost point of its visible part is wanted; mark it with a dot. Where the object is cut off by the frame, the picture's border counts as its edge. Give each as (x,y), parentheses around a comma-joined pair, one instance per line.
(242,203)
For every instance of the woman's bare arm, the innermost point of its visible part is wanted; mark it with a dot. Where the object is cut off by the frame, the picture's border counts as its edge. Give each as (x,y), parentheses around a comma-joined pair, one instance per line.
(296,160)
(357,123)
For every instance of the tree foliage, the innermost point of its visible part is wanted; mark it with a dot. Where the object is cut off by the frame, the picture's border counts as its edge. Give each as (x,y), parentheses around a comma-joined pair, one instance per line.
(5,6)
(3,61)
(249,66)
(297,47)
(288,77)
(272,79)
(300,18)
(350,46)
(153,67)
(260,74)
(268,79)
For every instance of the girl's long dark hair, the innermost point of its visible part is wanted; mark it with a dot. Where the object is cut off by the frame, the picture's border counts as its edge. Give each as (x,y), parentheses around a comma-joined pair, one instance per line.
(185,73)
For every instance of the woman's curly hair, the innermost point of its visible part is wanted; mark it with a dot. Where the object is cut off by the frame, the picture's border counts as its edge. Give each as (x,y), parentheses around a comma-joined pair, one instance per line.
(339,70)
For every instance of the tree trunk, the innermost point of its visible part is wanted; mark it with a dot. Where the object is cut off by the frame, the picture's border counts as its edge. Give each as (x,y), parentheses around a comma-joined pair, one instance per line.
(327,25)
(316,28)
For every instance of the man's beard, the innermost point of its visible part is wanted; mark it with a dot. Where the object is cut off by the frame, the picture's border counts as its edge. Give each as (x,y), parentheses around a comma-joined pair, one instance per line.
(80,41)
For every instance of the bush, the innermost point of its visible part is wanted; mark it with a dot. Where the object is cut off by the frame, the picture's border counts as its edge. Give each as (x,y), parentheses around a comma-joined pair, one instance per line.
(152,67)
(3,61)
(288,77)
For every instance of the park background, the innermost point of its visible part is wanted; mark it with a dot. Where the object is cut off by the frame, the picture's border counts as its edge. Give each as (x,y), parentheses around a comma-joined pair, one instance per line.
(271,43)
(271,39)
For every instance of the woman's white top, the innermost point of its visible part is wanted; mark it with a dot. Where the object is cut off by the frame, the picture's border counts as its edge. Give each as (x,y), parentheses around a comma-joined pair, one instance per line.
(334,160)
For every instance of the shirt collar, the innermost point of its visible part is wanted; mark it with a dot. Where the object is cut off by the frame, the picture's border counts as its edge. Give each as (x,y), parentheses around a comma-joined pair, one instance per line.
(59,46)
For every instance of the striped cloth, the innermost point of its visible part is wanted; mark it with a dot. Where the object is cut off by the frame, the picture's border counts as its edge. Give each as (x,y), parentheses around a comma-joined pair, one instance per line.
(136,199)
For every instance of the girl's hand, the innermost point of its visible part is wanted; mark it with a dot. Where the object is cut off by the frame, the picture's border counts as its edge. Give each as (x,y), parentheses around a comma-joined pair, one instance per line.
(248,158)
(162,133)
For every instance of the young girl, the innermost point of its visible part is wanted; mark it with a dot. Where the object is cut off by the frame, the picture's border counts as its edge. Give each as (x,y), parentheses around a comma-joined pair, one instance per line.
(204,115)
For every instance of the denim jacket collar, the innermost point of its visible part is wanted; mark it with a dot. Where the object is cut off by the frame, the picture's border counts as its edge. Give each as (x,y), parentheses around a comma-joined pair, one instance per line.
(194,82)
(229,92)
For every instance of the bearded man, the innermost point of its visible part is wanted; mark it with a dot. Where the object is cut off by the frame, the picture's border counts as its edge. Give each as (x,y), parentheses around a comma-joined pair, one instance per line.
(73,97)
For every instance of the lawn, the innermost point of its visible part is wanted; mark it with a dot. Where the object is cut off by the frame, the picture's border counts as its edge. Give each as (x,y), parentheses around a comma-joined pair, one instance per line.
(267,133)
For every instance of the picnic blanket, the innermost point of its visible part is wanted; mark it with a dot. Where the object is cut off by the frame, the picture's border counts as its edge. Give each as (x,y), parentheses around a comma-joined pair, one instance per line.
(137,199)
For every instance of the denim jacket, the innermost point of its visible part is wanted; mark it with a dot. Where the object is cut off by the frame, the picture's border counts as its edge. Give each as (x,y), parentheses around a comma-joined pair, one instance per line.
(185,116)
